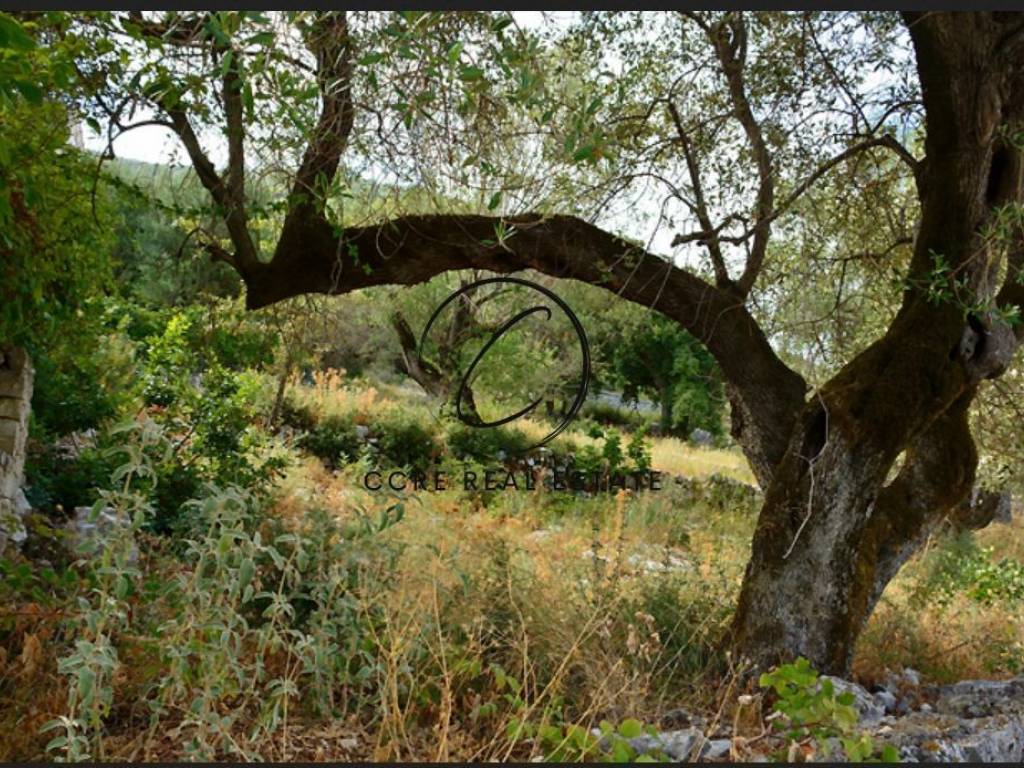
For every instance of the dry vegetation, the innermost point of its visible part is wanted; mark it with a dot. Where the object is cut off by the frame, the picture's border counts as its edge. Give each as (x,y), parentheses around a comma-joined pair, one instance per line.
(471,616)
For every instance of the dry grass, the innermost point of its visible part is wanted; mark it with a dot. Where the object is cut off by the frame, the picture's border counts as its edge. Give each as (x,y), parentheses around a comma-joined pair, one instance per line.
(674,456)
(946,642)
(516,585)
(600,608)
(596,608)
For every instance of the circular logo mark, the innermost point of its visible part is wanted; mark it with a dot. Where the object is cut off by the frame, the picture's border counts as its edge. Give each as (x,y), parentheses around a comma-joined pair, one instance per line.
(538,370)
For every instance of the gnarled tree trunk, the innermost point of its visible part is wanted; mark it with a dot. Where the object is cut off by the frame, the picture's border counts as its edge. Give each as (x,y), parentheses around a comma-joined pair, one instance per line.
(833,532)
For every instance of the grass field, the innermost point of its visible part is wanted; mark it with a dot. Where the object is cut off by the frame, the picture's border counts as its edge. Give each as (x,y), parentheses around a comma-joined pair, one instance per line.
(455,624)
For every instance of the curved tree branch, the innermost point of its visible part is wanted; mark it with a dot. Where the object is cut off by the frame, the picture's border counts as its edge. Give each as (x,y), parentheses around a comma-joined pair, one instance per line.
(767,394)
(700,206)
(729,37)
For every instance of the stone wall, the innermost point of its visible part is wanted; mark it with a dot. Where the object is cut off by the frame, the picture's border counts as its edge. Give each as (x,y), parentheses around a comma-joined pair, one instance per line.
(15,400)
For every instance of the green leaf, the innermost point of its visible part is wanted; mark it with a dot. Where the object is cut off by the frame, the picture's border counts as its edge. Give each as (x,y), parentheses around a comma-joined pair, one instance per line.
(471,73)
(247,98)
(215,29)
(454,52)
(262,38)
(630,728)
(13,35)
(622,752)
(500,23)
(586,152)
(86,681)
(552,734)
(495,201)
(49,725)
(245,572)
(33,93)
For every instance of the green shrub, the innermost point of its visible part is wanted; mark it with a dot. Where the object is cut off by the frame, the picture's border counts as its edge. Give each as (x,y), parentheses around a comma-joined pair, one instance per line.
(599,412)
(297,415)
(243,345)
(960,566)
(242,589)
(485,445)
(174,486)
(55,479)
(404,439)
(610,457)
(334,440)
(810,708)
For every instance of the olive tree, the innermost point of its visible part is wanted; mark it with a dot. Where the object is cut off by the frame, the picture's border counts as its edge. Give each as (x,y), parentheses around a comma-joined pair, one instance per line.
(521,146)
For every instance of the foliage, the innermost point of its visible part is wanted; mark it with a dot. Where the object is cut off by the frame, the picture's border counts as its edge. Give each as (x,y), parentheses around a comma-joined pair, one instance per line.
(811,710)
(57,480)
(684,621)
(248,594)
(262,621)
(961,566)
(83,383)
(104,614)
(53,248)
(333,439)
(612,415)
(574,743)
(650,355)
(252,614)
(609,458)
(211,409)
(404,439)
(484,445)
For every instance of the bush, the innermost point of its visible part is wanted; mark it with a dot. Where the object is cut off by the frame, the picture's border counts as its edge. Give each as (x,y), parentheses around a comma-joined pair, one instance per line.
(689,621)
(960,566)
(297,415)
(609,457)
(244,345)
(599,412)
(404,440)
(334,440)
(57,479)
(485,445)
(243,595)
(809,709)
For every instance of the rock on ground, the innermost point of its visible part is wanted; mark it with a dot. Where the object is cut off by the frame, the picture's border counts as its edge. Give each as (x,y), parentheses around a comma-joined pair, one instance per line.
(977,721)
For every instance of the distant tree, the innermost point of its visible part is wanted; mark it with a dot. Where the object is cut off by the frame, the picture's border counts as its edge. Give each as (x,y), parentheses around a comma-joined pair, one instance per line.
(649,355)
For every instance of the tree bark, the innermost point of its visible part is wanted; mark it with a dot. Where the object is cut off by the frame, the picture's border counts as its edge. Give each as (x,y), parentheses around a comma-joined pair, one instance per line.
(665,393)
(435,381)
